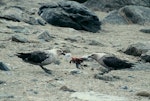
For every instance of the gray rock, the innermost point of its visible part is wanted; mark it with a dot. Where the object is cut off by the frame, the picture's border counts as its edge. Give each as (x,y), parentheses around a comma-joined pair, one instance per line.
(145,31)
(41,22)
(32,21)
(20,39)
(110,5)
(19,14)
(2,45)
(12,13)
(146,56)
(65,88)
(129,15)
(19,29)
(137,49)
(106,77)
(136,14)
(6,96)
(74,72)
(75,39)
(143,94)
(4,67)
(114,18)
(70,14)
(95,43)
(45,36)
(2,82)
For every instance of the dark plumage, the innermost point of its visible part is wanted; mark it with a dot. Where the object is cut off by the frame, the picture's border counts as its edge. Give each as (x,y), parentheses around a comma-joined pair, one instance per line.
(36,57)
(110,62)
(116,63)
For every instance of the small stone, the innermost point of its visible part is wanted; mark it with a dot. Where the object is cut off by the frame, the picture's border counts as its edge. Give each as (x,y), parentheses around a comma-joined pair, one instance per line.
(4,67)
(45,36)
(95,43)
(35,92)
(124,87)
(75,72)
(143,94)
(145,31)
(65,88)
(6,96)
(2,82)
(41,22)
(146,56)
(2,45)
(18,38)
(106,77)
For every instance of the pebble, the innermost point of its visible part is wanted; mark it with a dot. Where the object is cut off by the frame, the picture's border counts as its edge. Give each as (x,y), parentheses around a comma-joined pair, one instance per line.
(65,88)
(74,72)
(4,67)
(2,82)
(106,77)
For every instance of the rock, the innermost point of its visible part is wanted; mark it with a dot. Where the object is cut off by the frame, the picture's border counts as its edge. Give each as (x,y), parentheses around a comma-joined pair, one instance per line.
(145,31)
(136,14)
(95,43)
(2,82)
(4,67)
(80,1)
(114,4)
(70,14)
(18,38)
(137,49)
(74,72)
(45,36)
(146,56)
(31,20)
(129,15)
(96,96)
(3,45)
(106,77)
(65,88)
(41,22)
(143,94)
(114,18)
(12,13)
(75,39)
(6,96)
(19,29)
(19,14)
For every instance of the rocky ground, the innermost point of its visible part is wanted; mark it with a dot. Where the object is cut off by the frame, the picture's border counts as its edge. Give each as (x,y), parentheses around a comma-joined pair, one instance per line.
(27,82)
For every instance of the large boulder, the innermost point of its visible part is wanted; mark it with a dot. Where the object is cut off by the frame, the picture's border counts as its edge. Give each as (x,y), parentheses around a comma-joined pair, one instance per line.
(129,15)
(70,14)
(109,5)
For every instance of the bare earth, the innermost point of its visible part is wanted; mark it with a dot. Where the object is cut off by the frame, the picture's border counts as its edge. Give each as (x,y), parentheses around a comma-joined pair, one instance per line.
(27,82)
